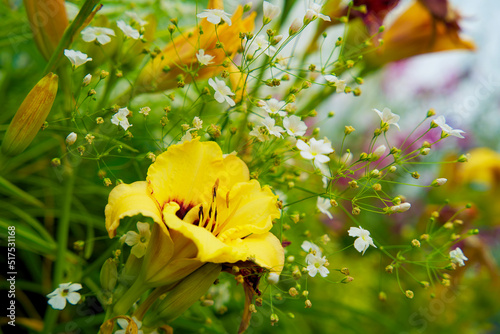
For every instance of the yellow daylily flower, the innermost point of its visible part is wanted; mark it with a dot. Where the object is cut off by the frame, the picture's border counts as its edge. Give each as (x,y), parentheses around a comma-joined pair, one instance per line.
(205,209)
(161,73)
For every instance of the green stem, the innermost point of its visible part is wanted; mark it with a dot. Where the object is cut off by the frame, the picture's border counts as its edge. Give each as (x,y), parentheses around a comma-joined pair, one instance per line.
(128,299)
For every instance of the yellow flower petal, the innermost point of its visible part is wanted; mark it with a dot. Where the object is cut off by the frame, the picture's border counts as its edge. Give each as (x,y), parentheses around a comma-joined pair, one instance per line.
(130,200)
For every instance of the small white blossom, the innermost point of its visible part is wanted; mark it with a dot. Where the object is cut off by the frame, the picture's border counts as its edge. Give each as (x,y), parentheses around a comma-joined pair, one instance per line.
(379,151)
(315,150)
(310,247)
(339,84)
(145,111)
(273,106)
(257,133)
(100,34)
(65,292)
(282,60)
(204,59)
(222,91)
(313,12)
(87,79)
(323,205)
(138,241)
(197,123)
(270,11)
(76,58)
(388,117)
(295,26)
(273,129)
(215,16)
(273,278)
(120,118)
(123,323)
(294,126)
(261,43)
(136,18)
(316,264)
(127,30)
(441,122)
(363,241)
(188,136)
(457,256)
(401,207)
(71,138)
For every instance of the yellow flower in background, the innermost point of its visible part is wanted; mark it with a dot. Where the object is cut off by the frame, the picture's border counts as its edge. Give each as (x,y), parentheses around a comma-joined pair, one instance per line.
(162,72)
(205,209)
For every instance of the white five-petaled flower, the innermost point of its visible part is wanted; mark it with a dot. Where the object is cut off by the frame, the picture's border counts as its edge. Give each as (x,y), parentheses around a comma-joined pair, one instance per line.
(313,12)
(76,58)
(260,43)
(204,59)
(316,150)
(270,11)
(323,205)
(363,241)
(136,18)
(316,264)
(124,324)
(120,118)
(273,106)
(339,84)
(387,116)
(138,241)
(222,91)
(215,16)
(294,126)
(311,248)
(100,34)
(457,256)
(65,292)
(441,122)
(127,30)
(71,138)
(273,129)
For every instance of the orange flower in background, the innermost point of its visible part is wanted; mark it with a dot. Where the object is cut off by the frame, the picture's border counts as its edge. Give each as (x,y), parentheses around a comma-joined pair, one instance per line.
(162,72)
(48,20)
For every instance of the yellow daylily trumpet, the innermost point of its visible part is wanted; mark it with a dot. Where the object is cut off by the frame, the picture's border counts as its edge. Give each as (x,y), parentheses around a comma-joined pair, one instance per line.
(179,56)
(205,209)
(48,20)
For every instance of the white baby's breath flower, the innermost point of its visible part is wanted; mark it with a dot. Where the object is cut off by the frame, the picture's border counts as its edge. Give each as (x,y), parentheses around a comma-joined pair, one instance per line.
(204,59)
(314,11)
(71,138)
(339,84)
(76,58)
(120,118)
(65,292)
(346,158)
(215,16)
(273,129)
(261,136)
(136,18)
(323,205)
(127,30)
(123,323)
(458,257)
(99,34)
(260,43)
(222,91)
(379,151)
(273,278)
(294,126)
(295,26)
(139,241)
(316,264)
(439,182)
(197,123)
(86,80)
(401,207)
(448,130)
(315,150)
(273,106)
(270,12)
(311,248)
(363,241)
(145,111)
(388,117)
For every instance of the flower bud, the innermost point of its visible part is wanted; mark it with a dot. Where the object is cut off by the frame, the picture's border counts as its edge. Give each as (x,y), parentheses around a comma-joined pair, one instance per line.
(273,278)
(30,116)
(109,275)
(439,182)
(409,294)
(71,138)
(295,26)
(379,151)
